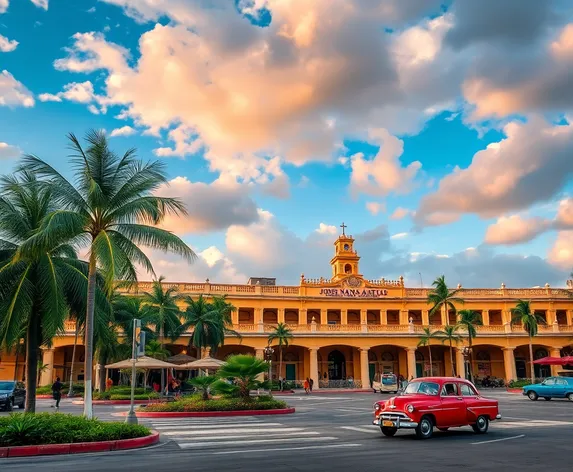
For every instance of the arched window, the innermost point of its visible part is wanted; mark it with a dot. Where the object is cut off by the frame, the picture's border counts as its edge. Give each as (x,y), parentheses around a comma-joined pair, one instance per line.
(348,269)
(336,365)
(372,357)
(419,356)
(387,356)
(483,356)
(540,353)
(290,357)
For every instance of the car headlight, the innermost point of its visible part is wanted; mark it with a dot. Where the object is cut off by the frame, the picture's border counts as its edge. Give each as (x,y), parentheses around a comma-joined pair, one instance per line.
(410,408)
(3,395)
(377,407)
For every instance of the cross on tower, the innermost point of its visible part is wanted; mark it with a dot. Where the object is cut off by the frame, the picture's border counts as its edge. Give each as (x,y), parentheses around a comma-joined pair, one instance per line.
(343,226)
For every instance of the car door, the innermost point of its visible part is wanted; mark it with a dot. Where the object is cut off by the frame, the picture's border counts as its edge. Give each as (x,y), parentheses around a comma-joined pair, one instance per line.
(560,387)
(546,388)
(453,408)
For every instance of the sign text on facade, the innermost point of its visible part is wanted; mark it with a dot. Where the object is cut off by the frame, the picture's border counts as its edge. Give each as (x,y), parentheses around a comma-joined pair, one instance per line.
(353,293)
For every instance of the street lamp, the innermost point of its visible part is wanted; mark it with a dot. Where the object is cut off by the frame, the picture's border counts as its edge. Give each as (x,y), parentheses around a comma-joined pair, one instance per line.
(268,351)
(467,352)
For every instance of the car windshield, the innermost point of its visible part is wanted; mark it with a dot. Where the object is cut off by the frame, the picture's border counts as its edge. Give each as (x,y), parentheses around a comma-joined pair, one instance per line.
(6,385)
(427,388)
(389,380)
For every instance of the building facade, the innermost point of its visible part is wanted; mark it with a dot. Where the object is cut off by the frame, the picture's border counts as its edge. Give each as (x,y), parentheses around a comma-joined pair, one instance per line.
(347,328)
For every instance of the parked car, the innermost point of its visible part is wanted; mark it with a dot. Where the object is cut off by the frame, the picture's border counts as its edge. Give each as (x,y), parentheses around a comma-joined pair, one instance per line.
(551,387)
(12,394)
(436,402)
(386,383)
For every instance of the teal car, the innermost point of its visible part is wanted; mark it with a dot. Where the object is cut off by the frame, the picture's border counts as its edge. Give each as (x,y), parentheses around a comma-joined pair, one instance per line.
(551,387)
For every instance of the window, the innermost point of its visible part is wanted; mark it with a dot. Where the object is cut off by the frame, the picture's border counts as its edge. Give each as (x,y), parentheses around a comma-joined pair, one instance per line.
(467,391)
(561,382)
(549,381)
(427,388)
(449,389)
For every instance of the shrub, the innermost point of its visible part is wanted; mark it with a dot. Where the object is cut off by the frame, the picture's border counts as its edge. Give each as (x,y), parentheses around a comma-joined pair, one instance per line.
(521,383)
(47,389)
(195,403)
(45,428)
(113,395)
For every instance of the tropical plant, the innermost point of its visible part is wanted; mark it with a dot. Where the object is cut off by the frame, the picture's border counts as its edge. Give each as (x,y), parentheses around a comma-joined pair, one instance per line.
(468,320)
(204,384)
(426,340)
(206,322)
(449,334)
(156,350)
(41,369)
(442,298)
(40,283)
(522,314)
(76,333)
(113,210)
(243,370)
(282,335)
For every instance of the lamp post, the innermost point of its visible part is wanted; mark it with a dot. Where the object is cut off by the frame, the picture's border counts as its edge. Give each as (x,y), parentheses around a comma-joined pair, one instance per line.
(467,352)
(268,351)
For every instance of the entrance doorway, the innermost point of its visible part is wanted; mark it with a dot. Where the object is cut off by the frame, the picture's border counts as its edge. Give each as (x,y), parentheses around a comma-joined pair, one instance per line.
(290,372)
(520,368)
(336,366)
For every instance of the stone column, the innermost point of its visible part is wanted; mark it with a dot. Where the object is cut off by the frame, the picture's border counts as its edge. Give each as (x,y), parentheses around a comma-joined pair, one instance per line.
(555,352)
(302,316)
(364,316)
(425,318)
(509,363)
(550,316)
(314,375)
(485,317)
(46,377)
(383,317)
(344,317)
(569,317)
(235,317)
(403,319)
(323,317)
(411,356)
(280,315)
(460,363)
(364,371)
(260,327)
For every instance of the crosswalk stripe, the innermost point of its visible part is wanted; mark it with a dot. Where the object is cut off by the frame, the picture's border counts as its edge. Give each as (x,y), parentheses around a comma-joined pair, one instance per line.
(361,430)
(231,431)
(182,439)
(279,449)
(203,421)
(214,427)
(250,441)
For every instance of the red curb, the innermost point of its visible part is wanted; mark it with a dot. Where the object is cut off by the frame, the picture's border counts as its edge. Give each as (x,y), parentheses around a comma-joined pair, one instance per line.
(206,414)
(515,390)
(79,448)
(116,402)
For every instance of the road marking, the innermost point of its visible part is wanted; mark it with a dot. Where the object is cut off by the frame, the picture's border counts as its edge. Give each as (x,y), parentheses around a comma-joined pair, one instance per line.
(214,426)
(249,441)
(216,432)
(242,436)
(498,440)
(353,414)
(278,449)
(361,430)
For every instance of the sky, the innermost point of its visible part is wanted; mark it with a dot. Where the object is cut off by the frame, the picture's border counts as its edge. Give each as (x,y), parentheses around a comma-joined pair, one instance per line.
(438,131)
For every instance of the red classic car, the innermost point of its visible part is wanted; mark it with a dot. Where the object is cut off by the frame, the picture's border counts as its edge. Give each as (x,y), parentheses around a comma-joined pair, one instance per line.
(440,402)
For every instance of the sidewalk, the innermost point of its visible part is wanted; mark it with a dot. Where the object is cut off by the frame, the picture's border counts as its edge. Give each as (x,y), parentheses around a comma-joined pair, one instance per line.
(326,391)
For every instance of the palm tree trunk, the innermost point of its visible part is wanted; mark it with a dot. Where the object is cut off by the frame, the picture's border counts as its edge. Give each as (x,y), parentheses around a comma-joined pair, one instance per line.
(32,346)
(452,359)
(431,363)
(16,363)
(71,389)
(280,366)
(162,370)
(89,333)
(470,359)
(102,361)
(531,360)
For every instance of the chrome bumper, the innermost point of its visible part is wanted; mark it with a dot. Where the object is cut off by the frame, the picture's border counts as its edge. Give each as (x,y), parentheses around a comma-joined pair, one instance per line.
(394,421)
(498,416)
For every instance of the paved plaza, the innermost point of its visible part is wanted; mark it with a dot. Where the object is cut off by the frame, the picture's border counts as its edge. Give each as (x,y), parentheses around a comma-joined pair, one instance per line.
(333,432)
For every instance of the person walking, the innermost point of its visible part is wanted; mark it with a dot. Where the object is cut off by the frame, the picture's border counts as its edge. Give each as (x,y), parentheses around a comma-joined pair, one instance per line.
(57,393)
(306,386)
(310,384)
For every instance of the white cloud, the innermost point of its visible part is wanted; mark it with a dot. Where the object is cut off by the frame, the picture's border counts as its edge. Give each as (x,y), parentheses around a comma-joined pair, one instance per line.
(326,229)
(123,131)
(91,10)
(78,92)
(14,93)
(400,213)
(8,152)
(7,45)
(561,253)
(3,6)
(399,236)
(40,3)
(375,207)
(564,218)
(514,230)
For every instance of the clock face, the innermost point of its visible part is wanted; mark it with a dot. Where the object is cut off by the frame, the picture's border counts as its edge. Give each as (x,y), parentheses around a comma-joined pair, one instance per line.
(346,247)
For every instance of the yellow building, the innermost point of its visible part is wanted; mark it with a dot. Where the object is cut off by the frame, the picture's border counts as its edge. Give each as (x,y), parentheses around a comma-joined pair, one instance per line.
(349,327)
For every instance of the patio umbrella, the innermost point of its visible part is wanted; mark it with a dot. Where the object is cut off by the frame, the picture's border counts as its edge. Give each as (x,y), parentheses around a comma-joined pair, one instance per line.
(207,363)
(554,360)
(143,362)
(181,359)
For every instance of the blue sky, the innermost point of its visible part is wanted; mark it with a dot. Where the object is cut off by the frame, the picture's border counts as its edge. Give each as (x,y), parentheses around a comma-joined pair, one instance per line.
(441,144)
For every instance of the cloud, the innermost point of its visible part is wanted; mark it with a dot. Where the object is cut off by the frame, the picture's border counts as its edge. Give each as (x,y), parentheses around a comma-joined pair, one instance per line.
(8,152)
(123,131)
(400,213)
(13,93)
(7,45)
(78,92)
(40,3)
(210,207)
(531,165)
(326,229)
(561,253)
(514,230)
(564,218)
(382,174)
(399,236)
(3,6)
(375,207)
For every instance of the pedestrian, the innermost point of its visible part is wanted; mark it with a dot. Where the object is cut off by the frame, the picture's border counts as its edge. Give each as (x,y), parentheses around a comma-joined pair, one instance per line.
(350,382)
(306,386)
(57,393)
(310,384)
(108,384)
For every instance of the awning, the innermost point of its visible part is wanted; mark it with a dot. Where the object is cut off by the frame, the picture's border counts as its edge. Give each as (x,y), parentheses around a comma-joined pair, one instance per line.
(143,362)
(554,360)
(181,359)
(207,363)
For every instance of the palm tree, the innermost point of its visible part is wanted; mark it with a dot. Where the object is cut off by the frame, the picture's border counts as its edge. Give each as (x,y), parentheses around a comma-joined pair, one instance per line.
(162,312)
(449,333)
(426,340)
(522,314)
(113,209)
(39,284)
(206,322)
(442,298)
(244,371)
(282,334)
(468,320)
(156,350)
(204,385)
(76,333)
(41,369)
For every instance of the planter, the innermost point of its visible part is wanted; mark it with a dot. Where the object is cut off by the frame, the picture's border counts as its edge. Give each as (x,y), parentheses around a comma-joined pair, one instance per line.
(207,414)
(79,448)
(50,397)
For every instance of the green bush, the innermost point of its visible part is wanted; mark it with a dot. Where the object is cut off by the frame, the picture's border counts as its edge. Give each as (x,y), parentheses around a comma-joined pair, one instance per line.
(113,395)
(520,383)
(195,403)
(47,389)
(30,430)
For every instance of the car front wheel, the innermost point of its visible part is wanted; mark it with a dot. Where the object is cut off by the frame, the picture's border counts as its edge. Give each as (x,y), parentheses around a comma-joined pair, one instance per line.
(425,428)
(532,396)
(570,397)
(482,425)
(386,431)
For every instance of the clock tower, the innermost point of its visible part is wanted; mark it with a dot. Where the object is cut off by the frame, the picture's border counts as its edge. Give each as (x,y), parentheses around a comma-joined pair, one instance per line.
(345,261)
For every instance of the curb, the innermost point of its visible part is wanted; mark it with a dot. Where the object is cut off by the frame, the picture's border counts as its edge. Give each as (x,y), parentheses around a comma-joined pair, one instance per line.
(79,448)
(50,397)
(204,414)
(115,402)
(514,390)
(325,391)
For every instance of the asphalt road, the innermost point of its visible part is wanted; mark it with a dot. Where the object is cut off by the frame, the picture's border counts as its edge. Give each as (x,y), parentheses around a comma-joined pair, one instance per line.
(334,433)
